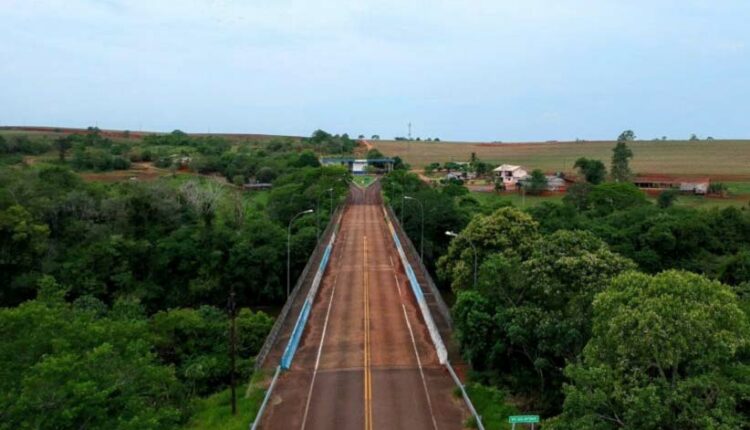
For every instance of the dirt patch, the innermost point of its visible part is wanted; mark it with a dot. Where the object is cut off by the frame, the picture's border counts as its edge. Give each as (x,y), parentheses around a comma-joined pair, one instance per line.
(137,171)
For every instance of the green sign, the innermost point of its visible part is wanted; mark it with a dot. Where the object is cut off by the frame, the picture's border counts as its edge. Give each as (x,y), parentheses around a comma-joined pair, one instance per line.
(523,419)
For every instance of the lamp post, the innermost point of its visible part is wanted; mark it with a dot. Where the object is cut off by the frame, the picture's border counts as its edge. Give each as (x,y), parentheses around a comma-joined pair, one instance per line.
(288,246)
(232,309)
(421,237)
(452,234)
(330,208)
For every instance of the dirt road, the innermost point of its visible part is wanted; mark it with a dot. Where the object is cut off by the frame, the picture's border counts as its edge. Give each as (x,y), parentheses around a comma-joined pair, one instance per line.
(366,359)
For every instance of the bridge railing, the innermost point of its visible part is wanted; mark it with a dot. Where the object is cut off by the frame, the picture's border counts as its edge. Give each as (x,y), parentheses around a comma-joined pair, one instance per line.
(297,297)
(440,340)
(442,307)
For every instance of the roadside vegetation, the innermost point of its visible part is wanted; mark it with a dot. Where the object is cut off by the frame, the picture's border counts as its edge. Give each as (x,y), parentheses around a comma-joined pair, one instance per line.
(114,298)
(600,310)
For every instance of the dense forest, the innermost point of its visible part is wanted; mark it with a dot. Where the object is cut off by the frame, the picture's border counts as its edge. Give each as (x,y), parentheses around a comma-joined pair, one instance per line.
(114,296)
(603,311)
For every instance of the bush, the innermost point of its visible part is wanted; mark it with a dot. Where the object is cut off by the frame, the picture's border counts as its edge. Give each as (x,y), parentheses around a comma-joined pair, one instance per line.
(120,163)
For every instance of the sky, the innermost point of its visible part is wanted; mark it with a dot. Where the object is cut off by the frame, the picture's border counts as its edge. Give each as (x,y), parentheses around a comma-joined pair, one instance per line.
(477,70)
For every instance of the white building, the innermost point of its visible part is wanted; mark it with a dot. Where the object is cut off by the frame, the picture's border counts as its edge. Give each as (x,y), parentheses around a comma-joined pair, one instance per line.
(510,175)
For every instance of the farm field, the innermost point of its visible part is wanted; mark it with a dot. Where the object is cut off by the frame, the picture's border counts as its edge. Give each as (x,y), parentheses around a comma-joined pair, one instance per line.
(722,160)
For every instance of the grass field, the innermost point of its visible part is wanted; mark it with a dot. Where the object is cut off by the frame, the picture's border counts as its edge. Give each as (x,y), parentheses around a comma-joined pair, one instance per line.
(491,405)
(215,413)
(683,200)
(363,180)
(516,199)
(722,160)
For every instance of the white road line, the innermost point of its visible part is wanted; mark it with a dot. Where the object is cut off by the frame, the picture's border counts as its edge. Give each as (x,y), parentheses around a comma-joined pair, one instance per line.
(421,372)
(398,284)
(416,354)
(320,351)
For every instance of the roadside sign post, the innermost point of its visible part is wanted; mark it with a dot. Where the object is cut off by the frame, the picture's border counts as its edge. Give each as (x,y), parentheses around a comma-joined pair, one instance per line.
(523,419)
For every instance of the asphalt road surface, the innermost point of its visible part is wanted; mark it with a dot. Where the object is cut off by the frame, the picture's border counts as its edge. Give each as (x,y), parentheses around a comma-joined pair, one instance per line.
(365,359)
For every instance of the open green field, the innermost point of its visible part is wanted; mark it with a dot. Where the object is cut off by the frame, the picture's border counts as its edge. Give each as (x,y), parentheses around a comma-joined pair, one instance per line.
(692,201)
(214,412)
(516,199)
(363,180)
(722,160)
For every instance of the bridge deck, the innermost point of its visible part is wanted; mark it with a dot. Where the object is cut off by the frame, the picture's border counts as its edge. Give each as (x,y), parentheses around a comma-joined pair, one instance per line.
(366,359)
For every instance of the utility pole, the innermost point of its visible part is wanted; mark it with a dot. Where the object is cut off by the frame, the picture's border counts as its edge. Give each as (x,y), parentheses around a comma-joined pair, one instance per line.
(232,308)
(410,130)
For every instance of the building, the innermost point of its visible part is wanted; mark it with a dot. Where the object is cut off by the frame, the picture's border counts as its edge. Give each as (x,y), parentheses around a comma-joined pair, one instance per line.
(510,175)
(662,183)
(556,183)
(359,166)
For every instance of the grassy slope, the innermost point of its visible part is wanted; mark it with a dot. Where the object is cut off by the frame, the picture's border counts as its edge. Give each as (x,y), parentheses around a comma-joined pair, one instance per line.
(214,412)
(491,405)
(363,180)
(720,159)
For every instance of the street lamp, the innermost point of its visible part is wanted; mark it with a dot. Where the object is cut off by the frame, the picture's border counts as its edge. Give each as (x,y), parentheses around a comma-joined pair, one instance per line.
(421,238)
(288,246)
(452,234)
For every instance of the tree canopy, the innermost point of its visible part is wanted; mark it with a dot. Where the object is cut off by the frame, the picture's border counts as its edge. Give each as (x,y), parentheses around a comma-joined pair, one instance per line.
(592,170)
(663,355)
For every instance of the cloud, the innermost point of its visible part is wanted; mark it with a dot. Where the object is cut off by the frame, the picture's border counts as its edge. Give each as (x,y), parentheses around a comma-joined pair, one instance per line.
(458,67)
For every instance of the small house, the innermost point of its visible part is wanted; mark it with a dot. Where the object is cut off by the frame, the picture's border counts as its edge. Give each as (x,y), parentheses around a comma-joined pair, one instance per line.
(510,175)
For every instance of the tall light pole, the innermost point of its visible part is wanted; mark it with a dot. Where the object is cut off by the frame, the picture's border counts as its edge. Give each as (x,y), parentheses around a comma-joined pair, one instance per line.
(288,247)
(232,308)
(330,209)
(452,234)
(421,237)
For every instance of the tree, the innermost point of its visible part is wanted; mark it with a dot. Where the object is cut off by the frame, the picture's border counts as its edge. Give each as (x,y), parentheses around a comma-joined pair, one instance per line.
(577,196)
(375,137)
(265,174)
(64,365)
(621,156)
(508,231)
(62,144)
(663,355)
(374,153)
(737,269)
(23,242)
(626,136)
(538,311)
(307,159)
(667,198)
(593,170)
(203,197)
(399,164)
(475,329)
(610,197)
(537,184)
(432,167)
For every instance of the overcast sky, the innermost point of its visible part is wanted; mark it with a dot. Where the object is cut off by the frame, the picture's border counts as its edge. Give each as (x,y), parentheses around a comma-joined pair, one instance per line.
(462,70)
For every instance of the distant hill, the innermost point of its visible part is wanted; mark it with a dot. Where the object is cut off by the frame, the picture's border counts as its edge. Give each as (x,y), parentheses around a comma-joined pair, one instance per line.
(127,134)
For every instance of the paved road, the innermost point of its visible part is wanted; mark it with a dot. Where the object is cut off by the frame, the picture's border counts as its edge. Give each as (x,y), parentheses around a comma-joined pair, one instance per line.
(366,359)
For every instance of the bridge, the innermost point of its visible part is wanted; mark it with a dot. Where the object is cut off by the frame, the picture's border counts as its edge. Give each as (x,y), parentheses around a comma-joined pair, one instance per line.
(370,354)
